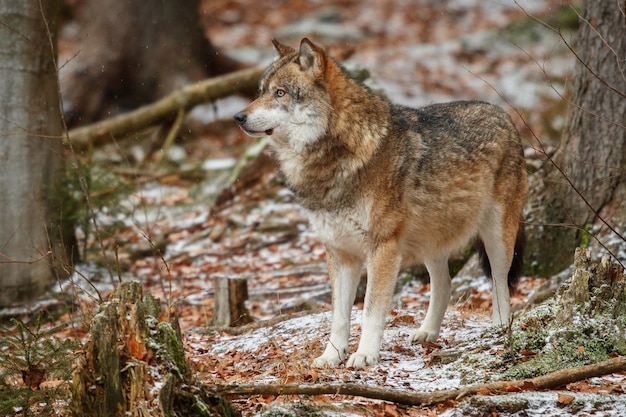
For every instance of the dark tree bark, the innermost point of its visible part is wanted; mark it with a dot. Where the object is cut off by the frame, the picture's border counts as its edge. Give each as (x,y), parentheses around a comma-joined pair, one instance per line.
(133,52)
(586,183)
(32,230)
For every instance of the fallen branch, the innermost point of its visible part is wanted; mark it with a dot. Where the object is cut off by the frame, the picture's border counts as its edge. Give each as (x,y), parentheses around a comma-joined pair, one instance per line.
(549,381)
(165,109)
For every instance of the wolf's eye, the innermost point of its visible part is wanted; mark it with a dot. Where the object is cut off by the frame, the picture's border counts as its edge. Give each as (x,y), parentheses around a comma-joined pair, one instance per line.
(280,92)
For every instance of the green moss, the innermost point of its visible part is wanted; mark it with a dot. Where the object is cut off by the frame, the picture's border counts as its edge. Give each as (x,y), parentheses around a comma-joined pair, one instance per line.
(585,236)
(152,306)
(564,18)
(172,349)
(559,354)
(539,345)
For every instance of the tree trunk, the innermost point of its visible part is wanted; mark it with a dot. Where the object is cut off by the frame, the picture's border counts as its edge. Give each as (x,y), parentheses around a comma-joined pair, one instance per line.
(586,183)
(133,52)
(32,255)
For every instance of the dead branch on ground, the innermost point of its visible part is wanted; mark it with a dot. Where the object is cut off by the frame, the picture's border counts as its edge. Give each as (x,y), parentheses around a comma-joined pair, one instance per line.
(549,381)
(165,109)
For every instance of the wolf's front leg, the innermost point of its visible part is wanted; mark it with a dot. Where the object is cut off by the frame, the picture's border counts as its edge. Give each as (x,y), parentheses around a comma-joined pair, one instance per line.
(345,272)
(382,271)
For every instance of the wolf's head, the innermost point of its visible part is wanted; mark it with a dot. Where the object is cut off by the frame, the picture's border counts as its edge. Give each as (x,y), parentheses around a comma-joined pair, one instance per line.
(294,105)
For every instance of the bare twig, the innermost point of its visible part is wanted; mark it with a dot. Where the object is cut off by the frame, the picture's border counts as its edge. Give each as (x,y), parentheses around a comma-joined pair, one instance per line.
(571,48)
(171,135)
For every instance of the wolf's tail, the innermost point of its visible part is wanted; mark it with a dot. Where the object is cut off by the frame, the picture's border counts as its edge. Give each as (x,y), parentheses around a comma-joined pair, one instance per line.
(517,265)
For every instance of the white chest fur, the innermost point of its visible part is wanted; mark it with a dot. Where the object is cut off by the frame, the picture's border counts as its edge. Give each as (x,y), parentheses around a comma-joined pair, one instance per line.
(347,229)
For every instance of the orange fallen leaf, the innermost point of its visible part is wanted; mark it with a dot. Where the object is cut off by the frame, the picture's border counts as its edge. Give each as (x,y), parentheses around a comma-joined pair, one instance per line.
(530,353)
(391,410)
(565,399)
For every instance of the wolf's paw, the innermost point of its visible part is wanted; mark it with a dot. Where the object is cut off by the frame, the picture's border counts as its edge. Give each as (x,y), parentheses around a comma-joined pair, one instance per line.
(422,336)
(327,361)
(359,360)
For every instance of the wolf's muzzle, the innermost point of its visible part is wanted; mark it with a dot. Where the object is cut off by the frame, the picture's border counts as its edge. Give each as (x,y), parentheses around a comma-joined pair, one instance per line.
(241,118)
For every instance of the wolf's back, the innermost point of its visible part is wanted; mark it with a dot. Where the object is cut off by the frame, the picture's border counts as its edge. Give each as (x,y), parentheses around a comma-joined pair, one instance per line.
(468,124)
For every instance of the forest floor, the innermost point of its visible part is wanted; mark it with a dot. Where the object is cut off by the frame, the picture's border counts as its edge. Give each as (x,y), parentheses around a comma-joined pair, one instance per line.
(417,53)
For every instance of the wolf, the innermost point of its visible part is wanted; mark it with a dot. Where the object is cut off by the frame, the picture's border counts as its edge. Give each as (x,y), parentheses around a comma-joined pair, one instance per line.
(388,186)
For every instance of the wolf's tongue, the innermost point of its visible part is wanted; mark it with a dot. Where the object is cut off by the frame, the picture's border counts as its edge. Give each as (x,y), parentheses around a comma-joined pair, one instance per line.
(269,132)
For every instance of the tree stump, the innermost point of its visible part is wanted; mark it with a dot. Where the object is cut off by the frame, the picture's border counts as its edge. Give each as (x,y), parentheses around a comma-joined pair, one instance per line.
(594,289)
(134,365)
(230,297)
(583,324)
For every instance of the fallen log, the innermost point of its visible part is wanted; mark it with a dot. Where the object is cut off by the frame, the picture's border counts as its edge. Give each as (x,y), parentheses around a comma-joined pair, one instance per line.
(165,109)
(549,381)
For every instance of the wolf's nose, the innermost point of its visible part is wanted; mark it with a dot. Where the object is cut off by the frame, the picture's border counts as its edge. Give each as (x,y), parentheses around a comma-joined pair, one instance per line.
(240,117)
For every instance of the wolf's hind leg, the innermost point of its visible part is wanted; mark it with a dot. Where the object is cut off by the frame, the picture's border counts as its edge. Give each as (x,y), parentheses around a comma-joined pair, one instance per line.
(345,272)
(439,299)
(499,251)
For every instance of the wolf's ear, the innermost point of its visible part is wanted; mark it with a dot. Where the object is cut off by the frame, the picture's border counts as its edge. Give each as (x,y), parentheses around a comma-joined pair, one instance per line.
(312,58)
(282,49)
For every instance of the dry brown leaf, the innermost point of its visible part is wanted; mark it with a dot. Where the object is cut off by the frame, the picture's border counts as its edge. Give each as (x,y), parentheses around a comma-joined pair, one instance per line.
(391,410)
(565,399)
(34,376)
(528,353)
